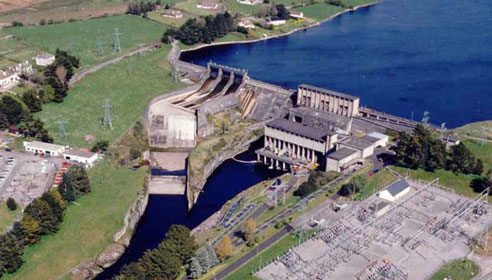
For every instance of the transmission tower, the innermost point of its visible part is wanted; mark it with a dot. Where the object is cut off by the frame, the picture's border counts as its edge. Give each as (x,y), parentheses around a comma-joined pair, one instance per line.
(426,117)
(107,123)
(116,39)
(484,135)
(141,53)
(61,129)
(175,73)
(443,129)
(100,50)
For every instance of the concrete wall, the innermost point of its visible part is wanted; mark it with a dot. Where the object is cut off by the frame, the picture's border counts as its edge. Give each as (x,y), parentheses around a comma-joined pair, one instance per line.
(337,165)
(298,140)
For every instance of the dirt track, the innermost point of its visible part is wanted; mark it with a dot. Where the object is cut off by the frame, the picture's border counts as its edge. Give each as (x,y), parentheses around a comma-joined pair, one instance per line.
(8,5)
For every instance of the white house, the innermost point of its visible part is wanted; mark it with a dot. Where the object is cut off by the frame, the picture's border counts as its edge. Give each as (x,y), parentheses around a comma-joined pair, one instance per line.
(250,2)
(207,5)
(172,14)
(395,191)
(47,149)
(81,156)
(246,23)
(22,68)
(296,14)
(276,22)
(8,78)
(45,59)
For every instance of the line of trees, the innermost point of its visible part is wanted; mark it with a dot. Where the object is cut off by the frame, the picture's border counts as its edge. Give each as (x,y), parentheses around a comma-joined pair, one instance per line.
(142,7)
(203,30)
(422,150)
(167,261)
(42,216)
(58,74)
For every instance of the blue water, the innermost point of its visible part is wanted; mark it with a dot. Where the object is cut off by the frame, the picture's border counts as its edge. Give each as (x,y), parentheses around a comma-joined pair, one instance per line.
(399,56)
(164,210)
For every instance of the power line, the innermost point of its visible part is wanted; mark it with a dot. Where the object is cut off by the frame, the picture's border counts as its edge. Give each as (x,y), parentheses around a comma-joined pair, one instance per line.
(116,41)
(61,129)
(107,123)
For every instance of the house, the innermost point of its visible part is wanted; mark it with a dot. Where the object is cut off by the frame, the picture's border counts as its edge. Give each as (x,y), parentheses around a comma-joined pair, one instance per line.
(207,5)
(45,59)
(250,2)
(172,14)
(450,141)
(80,156)
(276,22)
(246,23)
(395,191)
(8,78)
(46,149)
(22,68)
(296,14)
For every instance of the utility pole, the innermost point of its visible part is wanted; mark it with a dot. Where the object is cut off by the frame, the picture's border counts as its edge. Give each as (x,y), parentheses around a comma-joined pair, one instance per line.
(100,50)
(426,117)
(61,129)
(107,123)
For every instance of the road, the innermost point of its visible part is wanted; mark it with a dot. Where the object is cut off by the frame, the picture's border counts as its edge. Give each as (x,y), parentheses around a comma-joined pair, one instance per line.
(79,76)
(279,235)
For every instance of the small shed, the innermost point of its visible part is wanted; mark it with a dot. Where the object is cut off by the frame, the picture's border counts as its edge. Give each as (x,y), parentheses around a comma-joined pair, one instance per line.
(45,59)
(80,156)
(395,191)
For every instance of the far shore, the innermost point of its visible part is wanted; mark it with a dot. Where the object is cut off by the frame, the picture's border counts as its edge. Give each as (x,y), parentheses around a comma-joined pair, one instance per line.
(201,46)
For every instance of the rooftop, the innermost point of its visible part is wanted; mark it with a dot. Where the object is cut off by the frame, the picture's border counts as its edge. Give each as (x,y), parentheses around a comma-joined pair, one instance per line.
(79,153)
(46,56)
(370,139)
(43,145)
(342,153)
(357,143)
(300,129)
(397,187)
(378,135)
(329,92)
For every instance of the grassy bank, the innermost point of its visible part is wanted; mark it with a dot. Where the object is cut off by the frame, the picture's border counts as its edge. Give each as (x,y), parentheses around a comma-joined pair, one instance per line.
(88,225)
(81,38)
(128,84)
(7,216)
(459,269)
(375,183)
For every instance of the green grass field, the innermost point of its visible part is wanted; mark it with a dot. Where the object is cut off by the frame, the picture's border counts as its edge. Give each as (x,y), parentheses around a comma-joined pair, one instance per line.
(88,225)
(378,181)
(7,216)
(477,129)
(481,151)
(319,11)
(459,270)
(81,37)
(128,84)
(190,6)
(244,272)
(236,7)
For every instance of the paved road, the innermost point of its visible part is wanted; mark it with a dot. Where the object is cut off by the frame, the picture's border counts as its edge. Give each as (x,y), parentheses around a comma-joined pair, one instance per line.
(253,253)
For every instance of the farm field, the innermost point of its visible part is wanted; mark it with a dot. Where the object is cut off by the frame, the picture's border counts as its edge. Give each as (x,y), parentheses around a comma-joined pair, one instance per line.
(81,38)
(128,84)
(88,225)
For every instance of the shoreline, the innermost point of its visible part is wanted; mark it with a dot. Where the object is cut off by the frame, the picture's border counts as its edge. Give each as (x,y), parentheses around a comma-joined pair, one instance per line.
(202,46)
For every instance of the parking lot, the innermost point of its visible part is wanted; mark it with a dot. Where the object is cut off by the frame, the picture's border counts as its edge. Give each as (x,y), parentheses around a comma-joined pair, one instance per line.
(25,176)
(411,239)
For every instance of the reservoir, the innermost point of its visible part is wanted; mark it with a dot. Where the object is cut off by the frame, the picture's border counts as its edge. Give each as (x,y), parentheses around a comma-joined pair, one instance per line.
(398,56)
(402,57)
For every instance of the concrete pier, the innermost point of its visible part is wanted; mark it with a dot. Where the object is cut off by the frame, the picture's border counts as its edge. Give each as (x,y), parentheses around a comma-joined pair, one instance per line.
(175,185)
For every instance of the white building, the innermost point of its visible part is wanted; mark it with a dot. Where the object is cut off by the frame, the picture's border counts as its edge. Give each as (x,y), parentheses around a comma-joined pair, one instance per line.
(246,23)
(45,59)
(207,5)
(382,139)
(172,14)
(81,156)
(342,159)
(250,2)
(395,191)
(22,68)
(8,78)
(46,149)
(276,22)
(296,14)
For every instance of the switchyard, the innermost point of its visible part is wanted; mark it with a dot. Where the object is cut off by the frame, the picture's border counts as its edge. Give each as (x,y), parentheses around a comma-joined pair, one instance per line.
(412,239)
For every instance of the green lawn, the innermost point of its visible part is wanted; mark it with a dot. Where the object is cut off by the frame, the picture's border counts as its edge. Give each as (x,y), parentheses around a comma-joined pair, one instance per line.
(319,11)
(128,84)
(477,129)
(88,225)
(7,216)
(481,151)
(190,6)
(353,3)
(378,181)
(244,272)
(235,7)
(81,37)
(459,270)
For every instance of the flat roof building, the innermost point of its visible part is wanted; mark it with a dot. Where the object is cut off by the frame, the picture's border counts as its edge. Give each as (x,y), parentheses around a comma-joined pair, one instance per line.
(45,59)
(327,100)
(80,156)
(341,159)
(47,149)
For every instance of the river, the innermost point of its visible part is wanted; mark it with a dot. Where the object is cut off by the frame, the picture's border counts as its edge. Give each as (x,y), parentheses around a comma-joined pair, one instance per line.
(399,56)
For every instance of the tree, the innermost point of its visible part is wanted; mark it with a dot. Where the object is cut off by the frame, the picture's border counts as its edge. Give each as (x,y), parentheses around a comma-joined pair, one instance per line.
(195,270)
(160,264)
(224,248)
(100,146)
(32,101)
(41,211)
(30,230)
(135,153)
(212,256)
(77,176)
(203,259)
(13,109)
(282,12)
(249,228)
(66,189)
(132,271)
(58,198)
(10,254)
(179,242)
(11,204)
(54,205)
(481,184)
